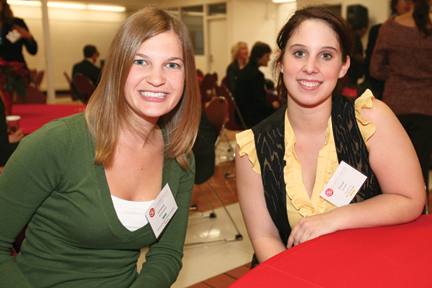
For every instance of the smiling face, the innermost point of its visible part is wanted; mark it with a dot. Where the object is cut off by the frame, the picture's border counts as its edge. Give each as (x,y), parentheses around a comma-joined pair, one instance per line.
(156,78)
(263,61)
(243,52)
(312,64)
(403,6)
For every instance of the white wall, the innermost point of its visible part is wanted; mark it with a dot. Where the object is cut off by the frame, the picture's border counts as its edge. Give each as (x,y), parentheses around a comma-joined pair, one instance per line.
(247,20)
(70,31)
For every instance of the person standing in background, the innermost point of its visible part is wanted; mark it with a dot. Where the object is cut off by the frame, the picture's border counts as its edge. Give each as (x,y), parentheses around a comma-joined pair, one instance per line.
(398,7)
(239,54)
(13,36)
(87,66)
(250,88)
(403,59)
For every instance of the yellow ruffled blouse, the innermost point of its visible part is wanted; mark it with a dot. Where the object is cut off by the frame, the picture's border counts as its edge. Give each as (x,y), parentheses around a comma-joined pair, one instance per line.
(298,202)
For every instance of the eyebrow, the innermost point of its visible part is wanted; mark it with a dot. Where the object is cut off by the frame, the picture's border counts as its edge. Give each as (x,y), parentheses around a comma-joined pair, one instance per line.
(324,47)
(169,59)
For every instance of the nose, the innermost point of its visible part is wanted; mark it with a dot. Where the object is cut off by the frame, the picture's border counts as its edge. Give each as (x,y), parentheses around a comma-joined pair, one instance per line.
(156,77)
(310,66)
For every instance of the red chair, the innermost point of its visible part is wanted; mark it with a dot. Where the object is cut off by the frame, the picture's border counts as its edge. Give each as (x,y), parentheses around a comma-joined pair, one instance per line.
(231,124)
(222,90)
(33,96)
(207,86)
(84,86)
(217,115)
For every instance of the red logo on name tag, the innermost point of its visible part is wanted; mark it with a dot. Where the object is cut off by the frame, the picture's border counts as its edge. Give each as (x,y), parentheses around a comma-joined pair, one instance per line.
(152,212)
(329,192)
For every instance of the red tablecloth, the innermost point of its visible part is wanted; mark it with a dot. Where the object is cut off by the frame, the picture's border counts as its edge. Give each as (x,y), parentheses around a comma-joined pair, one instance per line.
(394,256)
(34,116)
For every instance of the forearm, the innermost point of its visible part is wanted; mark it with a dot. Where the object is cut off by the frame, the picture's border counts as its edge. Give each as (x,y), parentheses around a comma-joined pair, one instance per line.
(381,210)
(267,247)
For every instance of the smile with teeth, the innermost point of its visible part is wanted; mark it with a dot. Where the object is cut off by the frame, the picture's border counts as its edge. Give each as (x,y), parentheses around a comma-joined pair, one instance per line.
(310,84)
(153,95)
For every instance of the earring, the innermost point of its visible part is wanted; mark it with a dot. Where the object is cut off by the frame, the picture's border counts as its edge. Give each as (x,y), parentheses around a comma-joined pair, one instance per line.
(281,70)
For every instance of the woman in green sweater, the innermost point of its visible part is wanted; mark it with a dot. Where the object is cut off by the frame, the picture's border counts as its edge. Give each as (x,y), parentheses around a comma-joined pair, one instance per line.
(84,183)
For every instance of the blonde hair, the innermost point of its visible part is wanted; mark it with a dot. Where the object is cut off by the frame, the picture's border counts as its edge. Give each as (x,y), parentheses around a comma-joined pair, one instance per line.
(107,110)
(235,50)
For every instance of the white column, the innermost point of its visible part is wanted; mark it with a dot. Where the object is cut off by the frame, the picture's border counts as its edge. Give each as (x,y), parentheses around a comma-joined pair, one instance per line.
(48,54)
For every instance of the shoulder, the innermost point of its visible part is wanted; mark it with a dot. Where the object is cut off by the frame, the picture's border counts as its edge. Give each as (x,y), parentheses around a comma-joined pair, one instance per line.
(58,137)
(18,21)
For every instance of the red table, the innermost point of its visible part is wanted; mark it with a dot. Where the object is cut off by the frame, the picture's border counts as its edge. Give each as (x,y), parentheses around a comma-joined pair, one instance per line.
(34,116)
(393,256)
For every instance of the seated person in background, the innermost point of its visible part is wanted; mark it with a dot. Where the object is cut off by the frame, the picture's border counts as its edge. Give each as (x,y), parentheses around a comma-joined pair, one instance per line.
(284,163)
(85,182)
(250,88)
(239,54)
(8,142)
(87,66)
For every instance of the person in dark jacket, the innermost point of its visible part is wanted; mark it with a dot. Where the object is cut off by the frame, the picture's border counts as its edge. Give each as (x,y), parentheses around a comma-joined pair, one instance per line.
(250,90)
(14,34)
(87,66)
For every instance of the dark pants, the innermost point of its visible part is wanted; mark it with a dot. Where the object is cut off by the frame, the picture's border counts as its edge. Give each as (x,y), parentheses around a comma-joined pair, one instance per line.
(419,129)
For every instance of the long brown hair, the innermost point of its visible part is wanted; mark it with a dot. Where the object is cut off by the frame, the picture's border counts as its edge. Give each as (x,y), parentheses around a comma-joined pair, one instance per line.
(421,17)
(107,110)
(6,14)
(332,18)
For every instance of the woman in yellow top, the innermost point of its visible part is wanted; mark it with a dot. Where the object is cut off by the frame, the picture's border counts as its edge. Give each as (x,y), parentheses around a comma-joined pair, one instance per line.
(279,183)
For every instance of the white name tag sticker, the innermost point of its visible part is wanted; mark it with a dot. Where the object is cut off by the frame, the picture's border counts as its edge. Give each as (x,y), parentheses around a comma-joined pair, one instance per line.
(343,185)
(161,211)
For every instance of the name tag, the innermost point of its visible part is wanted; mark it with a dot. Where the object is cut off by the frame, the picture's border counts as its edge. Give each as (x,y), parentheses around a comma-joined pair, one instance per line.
(343,185)
(161,211)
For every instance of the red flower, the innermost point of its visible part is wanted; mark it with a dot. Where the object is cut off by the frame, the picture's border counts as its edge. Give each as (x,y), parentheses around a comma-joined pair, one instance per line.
(13,77)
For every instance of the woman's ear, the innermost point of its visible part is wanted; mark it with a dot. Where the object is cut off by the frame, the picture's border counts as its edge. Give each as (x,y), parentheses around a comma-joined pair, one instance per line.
(279,64)
(345,67)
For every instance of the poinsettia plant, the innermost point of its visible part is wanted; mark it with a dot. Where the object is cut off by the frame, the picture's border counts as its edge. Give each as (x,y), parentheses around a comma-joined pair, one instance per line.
(13,78)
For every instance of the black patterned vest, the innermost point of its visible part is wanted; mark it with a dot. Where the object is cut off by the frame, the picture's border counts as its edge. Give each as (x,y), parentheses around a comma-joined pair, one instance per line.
(270,147)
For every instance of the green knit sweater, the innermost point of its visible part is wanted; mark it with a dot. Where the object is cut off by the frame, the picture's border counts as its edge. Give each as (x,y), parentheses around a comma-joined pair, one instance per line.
(74,238)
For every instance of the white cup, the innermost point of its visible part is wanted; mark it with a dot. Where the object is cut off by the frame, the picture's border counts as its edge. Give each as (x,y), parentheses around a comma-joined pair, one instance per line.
(13,123)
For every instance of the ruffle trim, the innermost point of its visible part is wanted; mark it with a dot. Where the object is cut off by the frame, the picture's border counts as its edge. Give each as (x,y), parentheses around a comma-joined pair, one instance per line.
(367,128)
(246,142)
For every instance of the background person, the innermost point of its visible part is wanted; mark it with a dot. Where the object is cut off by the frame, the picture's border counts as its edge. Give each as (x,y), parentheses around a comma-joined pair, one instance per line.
(87,66)
(239,55)
(285,162)
(398,7)
(85,181)
(403,58)
(8,142)
(11,48)
(250,88)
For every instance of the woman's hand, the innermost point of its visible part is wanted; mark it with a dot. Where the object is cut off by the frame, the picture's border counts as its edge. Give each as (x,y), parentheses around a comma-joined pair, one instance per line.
(311,227)
(24,33)
(16,136)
